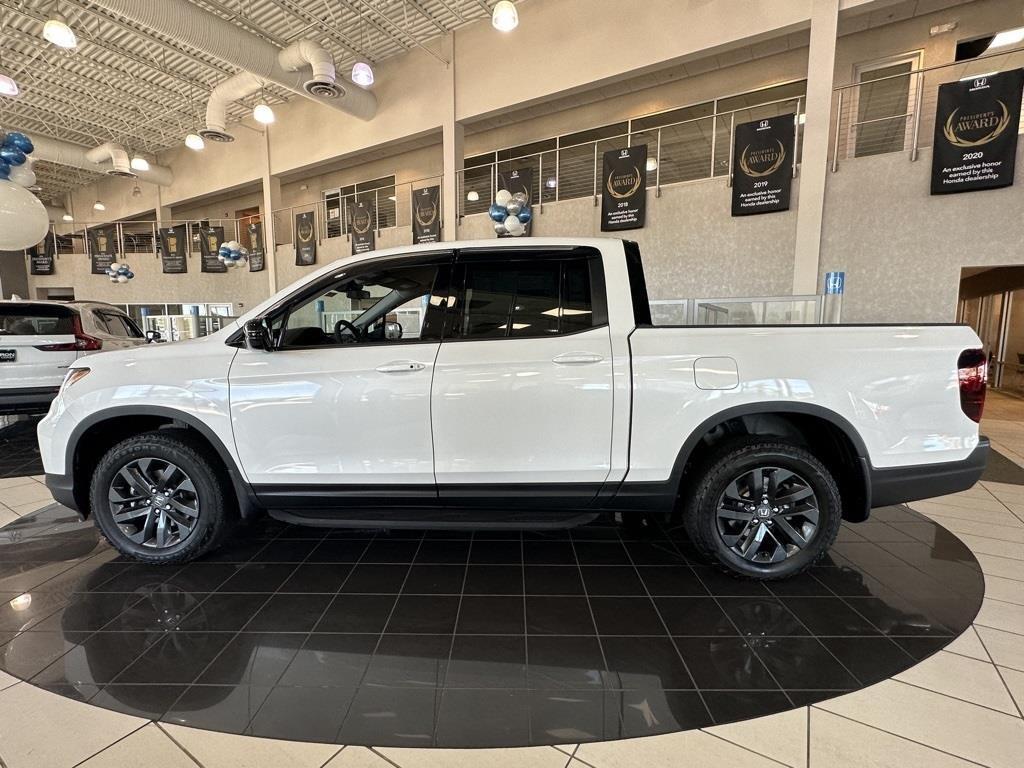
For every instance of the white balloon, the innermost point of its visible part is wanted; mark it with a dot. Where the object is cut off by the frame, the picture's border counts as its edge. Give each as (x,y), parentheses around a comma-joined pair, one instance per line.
(114,266)
(23,218)
(122,278)
(503,198)
(514,226)
(23,174)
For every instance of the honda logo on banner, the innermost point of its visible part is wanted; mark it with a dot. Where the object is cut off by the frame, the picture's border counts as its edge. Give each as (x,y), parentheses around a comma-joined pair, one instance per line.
(835,282)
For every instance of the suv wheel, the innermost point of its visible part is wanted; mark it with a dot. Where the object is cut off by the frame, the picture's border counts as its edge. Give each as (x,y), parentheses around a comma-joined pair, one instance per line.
(157,499)
(765,509)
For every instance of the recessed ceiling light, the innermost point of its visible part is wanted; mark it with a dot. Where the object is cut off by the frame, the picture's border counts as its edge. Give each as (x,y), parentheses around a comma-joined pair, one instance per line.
(8,87)
(362,74)
(194,141)
(262,113)
(505,17)
(57,31)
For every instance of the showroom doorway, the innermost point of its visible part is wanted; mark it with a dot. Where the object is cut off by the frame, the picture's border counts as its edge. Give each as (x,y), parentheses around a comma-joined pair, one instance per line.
(991,301)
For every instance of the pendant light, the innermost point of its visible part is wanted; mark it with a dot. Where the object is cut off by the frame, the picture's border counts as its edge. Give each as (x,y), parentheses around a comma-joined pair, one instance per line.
(99,206)
(139,163)
(362,72)
(505,17)
(262,113)
(194,142)
(57,31)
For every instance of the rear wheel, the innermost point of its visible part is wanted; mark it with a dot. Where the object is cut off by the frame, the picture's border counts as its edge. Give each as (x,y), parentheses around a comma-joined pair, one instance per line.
(765,509)
(157,498)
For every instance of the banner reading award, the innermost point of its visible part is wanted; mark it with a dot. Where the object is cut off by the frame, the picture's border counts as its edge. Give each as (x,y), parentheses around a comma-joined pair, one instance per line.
(364,237)
(305,239)
(762,178)
(518,180)
(975,145)
(174,249)
(624,192)
(257,256)
(41,258)
(426,218)
(102,248)
(210,241)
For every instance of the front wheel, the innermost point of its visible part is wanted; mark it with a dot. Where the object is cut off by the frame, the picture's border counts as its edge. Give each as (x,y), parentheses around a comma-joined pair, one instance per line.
(765,509)
(157,498)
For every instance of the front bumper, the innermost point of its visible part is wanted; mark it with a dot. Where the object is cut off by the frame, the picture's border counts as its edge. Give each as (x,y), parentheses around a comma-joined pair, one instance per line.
(27,399)
(63,489)
(897,485)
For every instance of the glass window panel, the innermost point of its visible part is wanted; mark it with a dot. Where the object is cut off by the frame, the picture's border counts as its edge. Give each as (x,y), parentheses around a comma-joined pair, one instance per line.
(885,103)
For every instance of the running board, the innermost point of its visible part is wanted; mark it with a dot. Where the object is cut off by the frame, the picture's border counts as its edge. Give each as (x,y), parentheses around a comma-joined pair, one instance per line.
(436,519)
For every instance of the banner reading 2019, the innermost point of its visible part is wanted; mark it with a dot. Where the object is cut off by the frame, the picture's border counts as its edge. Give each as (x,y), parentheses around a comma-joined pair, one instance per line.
(975,144)
(624,192)
(763,168)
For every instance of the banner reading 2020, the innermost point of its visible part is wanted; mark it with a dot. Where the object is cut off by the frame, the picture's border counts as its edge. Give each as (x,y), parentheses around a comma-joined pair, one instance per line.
(975,144)
(174,249)
(364,236)
(518,180)
(762,166)
(305,239)
(102,248)
(426,218)
(624,191)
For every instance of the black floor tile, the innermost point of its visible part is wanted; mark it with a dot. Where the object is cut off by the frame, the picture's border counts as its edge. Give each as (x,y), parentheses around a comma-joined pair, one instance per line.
(641,713)
(307,713)
(176,658)
(762,616)
(409,661)
(581,713)
(487,662)
(672,580)
(258,577)
(227,708)
(694,616)
(424,614)
(222,613)
(494,579)
(376,578)
(357,613)
(558,663)
(338,551)
(803,662)
(558,616)
(553,580)
(486,615)
(148,701)
(323,578)
(496,552)
(483,718)
(443,552)
(626,616)
(435,580)
(252,659)
(289,613)
(401,716)
(724,663)
(612,580)
(330,659)
(644,663)
(601,553)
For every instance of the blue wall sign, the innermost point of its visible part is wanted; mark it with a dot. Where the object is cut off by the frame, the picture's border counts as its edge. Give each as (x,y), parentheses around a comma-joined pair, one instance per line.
(835,282)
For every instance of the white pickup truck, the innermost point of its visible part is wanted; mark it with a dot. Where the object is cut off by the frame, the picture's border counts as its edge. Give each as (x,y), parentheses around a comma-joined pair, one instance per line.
(514,383)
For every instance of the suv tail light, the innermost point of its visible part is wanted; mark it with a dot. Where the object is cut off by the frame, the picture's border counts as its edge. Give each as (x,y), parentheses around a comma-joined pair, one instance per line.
(83,342)
(973,375)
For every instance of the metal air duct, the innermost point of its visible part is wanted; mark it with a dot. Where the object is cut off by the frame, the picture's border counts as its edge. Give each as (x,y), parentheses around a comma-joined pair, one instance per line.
(120,164)
(77,156)
(236,87)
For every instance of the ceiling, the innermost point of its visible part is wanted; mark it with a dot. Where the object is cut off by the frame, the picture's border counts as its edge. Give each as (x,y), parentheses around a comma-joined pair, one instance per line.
(147,91)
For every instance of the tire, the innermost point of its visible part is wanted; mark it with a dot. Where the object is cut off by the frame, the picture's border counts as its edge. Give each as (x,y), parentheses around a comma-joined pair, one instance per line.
(138,533)
(730,521)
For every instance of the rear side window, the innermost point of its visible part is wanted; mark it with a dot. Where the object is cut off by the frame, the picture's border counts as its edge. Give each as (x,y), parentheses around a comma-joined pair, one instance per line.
(35,320)
(544,296)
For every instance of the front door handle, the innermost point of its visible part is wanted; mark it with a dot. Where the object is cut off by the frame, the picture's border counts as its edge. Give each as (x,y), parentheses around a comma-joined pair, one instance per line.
(400,366)
(577,358)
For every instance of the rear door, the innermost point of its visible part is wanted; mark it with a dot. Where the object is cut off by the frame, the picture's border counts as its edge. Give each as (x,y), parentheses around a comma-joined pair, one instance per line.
(117,329)
(37,344)
(522,394)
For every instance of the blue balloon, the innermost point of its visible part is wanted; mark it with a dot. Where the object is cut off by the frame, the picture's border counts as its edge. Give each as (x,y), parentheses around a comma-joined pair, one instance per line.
(223,251)
(130,274)
(497,212)
(12,155)
(5,167)
(19,141)
(525,215)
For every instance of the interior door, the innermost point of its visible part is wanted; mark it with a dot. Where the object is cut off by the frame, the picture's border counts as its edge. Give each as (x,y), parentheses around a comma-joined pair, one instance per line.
(344,399)
(522,394)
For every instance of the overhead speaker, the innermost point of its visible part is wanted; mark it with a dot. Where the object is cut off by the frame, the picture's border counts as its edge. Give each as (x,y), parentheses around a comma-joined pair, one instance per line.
(214,135)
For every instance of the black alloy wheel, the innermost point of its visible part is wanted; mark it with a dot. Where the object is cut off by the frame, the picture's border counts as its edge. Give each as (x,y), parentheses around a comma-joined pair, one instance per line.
(154,502)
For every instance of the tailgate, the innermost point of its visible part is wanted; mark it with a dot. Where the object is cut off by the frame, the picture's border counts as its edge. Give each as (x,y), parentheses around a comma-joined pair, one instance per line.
(37,344)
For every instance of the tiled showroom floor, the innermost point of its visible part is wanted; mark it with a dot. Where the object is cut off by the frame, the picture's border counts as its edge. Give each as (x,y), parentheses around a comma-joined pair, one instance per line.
(960,707)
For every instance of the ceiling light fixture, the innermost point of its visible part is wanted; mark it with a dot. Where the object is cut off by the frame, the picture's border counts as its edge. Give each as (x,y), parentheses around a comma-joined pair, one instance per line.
(1005,38)
(8,87)
(551,182)
(137,191)
(99,206)
(362,74)
(67,217)
(262,113)
(57,31)
(652,164)
(194,142)
(473,196)
(505,17)
(139,163)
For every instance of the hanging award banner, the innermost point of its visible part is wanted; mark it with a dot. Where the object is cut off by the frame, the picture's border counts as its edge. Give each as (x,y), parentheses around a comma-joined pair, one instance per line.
(257,256)
(518,180)
(41,258)
(762,178)
(174,249)
(210,241)
(364,237)
(102,248)
(624,192)
(305,239)
(975,145)
(426,215)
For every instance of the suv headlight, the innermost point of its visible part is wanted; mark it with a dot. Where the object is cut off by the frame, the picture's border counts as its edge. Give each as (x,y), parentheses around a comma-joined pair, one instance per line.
(73,375)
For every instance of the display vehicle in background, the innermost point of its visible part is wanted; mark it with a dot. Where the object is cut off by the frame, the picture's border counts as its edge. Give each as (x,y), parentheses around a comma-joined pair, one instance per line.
(39,340)
(513,383)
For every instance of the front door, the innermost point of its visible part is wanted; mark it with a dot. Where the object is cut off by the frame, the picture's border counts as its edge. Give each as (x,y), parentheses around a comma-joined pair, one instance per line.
(341,408)
(522,395)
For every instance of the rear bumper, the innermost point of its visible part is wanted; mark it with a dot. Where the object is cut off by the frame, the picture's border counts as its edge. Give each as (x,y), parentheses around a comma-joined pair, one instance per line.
(925,481)
(27,400)
(62,488)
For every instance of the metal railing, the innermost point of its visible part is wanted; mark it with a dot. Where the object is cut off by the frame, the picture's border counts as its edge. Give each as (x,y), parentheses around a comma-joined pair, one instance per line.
(140,237)
(699,148)
(896,112)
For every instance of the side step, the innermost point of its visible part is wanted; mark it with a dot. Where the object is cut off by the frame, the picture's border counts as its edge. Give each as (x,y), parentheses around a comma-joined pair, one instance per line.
(436,519)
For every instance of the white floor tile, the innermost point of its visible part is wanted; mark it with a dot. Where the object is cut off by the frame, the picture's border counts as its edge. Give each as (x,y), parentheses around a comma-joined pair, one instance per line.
(11,482)
(969,679)
(1005,567)
(1015,682)
(357,757)
(1006,648)
(226,750)
(969,644)
(1007,590)
(525,757)
(1006,616)
(689,748)
(782,737)
(148,746)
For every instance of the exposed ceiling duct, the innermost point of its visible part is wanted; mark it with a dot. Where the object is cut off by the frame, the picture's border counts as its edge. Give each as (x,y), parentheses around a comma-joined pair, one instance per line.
(108,158)
(303,67)
(236,87)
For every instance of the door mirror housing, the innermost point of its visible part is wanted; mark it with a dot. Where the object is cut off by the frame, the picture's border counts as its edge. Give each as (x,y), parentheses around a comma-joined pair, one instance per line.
(153,336)
(257,335)
(392,331)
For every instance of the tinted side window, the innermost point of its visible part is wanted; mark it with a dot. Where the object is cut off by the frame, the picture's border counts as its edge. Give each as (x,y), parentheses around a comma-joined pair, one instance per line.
(115,325)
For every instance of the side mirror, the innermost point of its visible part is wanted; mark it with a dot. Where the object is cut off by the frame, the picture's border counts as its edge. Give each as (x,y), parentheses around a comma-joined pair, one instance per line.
(392,331)
(257,335)
(153,336)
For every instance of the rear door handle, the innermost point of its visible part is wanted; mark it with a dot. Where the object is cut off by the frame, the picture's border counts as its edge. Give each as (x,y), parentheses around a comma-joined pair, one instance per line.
(577,358)
(400,366)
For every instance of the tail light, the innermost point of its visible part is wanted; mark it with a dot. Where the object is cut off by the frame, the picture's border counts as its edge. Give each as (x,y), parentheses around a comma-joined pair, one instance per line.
(83,342)
(973,375)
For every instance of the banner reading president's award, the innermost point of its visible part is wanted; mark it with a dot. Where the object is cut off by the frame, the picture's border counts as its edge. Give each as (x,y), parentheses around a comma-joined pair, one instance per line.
(102,248)
(975,144)
(174,249)
(364,236)
(257,254)
(426,219)
(210,241)
(305,239)
(624,191)
(762,165)
(41,258)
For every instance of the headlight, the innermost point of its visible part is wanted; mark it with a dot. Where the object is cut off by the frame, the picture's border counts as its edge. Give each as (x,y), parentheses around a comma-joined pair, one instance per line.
(73,375)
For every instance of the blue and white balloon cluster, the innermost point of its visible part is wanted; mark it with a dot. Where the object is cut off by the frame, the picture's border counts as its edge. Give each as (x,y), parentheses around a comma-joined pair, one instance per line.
(23,218)
(119,272)
(510,213)
(232,254)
